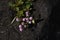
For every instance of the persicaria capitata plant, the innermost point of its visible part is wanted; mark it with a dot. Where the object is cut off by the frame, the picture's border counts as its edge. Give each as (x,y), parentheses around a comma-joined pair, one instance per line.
(23,13)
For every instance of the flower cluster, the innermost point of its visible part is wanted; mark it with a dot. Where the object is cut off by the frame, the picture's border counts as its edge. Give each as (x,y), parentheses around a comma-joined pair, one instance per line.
(22,8)
(25,21)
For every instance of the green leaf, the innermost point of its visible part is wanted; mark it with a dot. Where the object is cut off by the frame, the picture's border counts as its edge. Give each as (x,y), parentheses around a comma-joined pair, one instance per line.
(27,6)
(20,13)
(19,2)
(17,8)
(12,5)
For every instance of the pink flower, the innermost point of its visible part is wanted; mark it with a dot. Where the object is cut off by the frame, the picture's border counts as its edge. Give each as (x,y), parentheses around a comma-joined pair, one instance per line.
(20,27)
(23,19)
(29,22)
(27,13)
(30,18)
(26,19)
(17,19)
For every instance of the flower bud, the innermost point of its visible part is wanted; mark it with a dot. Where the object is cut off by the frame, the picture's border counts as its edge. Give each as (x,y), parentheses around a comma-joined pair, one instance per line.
(29,22)
(27,13)
(33,21)
(22,23)
(30,18)
(25,26)
(17,19)
(26,19)
(23,19)
(20,26)
(21,29)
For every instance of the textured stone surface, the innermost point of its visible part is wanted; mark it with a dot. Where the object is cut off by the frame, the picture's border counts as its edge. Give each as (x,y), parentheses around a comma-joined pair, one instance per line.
(11,32)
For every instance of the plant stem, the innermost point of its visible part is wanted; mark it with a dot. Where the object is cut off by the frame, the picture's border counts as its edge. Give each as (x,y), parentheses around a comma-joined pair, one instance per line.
(13,20)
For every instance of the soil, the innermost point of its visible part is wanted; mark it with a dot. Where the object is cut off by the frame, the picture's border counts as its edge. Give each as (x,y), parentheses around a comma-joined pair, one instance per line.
(11,32)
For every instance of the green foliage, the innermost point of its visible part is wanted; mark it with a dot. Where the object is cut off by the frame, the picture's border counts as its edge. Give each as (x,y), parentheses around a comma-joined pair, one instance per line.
(17,8)
(11,4)
(20,13)
(20,4)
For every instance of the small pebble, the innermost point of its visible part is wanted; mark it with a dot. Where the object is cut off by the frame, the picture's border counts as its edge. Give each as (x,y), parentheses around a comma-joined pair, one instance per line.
(2,31)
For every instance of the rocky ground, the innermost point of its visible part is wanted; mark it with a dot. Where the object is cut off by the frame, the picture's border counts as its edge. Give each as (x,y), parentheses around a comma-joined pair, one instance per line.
(11,32)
